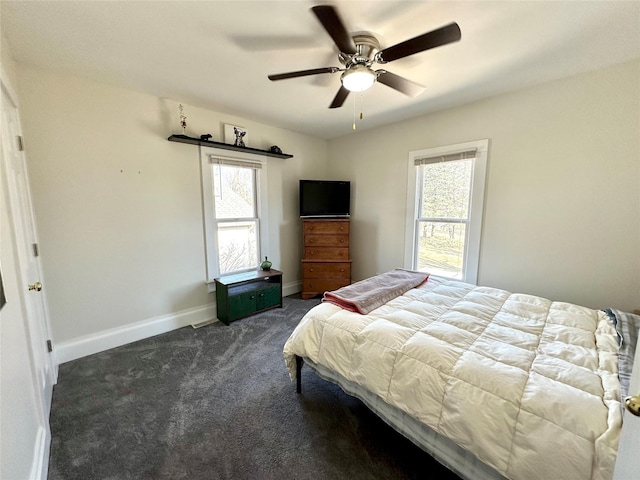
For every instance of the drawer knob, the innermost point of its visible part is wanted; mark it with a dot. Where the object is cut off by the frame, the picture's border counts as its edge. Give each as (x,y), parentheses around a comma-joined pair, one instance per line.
(342,269)
(311,269)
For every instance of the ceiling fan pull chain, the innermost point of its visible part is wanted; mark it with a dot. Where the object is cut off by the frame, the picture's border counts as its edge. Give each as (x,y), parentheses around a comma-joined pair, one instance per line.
(353,127)
(361,102)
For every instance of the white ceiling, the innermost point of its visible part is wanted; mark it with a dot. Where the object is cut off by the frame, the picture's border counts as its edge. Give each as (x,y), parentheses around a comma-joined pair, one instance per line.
(217,54)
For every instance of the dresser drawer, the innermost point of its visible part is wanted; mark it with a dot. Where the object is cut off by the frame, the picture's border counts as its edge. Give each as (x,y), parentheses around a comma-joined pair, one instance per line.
(326,253)
(327,270)
(326,240)
(321,286)
(329,227)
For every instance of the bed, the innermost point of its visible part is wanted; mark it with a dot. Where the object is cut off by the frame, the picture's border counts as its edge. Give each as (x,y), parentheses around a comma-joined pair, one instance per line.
(492,384)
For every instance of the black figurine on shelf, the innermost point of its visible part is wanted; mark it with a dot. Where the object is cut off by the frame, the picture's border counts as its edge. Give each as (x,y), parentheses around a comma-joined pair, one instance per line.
(275,149)
(206,137)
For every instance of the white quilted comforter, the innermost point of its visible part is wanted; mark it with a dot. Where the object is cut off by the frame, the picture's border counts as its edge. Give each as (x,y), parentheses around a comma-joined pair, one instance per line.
(529,386)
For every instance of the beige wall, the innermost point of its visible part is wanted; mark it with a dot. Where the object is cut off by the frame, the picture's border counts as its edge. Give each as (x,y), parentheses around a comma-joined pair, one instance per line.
(119,208)
(120,218)
(562,210)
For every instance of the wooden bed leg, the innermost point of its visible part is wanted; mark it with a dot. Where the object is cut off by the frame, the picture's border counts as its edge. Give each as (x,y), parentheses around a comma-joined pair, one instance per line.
(299,362)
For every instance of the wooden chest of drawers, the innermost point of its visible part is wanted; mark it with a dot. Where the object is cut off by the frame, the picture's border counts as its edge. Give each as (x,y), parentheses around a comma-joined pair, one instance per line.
(326,264)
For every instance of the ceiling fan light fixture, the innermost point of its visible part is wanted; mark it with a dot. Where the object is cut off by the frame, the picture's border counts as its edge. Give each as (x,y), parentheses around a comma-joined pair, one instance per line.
(358,79)
(358,51)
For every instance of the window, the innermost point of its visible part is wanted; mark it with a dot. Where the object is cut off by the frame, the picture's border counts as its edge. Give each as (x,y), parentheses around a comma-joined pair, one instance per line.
(444,204)
(234,211)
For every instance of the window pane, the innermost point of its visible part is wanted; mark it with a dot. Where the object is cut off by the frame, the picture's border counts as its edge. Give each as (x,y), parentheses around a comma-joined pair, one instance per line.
(234,190)
(446,188)
(237,246)
(441,248)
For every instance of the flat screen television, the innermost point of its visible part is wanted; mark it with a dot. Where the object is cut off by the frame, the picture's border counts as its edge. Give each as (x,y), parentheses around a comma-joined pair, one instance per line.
(325,198)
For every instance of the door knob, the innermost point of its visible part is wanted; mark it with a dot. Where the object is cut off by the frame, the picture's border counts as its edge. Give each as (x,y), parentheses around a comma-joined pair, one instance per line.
(35,286)
(633,404)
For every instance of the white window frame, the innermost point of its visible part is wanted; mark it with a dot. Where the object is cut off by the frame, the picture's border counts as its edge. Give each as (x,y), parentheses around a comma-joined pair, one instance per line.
(476,207)
(207,177)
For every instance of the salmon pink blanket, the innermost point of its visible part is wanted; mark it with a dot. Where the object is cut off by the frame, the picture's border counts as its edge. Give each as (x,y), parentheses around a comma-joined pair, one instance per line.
(371,293)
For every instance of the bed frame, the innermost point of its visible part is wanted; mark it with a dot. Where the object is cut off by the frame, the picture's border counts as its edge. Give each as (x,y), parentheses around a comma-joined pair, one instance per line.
(445,451)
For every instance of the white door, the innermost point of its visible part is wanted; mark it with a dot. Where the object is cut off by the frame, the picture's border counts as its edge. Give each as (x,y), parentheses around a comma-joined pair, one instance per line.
(28,369)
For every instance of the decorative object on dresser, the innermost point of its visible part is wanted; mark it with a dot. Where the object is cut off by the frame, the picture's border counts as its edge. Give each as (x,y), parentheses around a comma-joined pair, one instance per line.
(266,265)
(244,294)
(326,263)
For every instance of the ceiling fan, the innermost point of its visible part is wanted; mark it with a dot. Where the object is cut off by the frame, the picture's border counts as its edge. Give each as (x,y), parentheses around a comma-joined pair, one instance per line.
(358,53)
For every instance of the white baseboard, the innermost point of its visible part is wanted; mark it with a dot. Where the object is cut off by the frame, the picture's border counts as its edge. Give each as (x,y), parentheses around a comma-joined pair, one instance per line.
(40,463)
(291,288)
(116,337)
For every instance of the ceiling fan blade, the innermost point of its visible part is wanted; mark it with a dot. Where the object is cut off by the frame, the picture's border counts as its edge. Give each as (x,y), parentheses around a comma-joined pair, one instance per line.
(330,20)
(340,97)
(399,83)
(436,38)
(302,73)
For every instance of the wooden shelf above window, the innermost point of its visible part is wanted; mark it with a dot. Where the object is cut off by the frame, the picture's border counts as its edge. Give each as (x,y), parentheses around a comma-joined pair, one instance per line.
(225,146)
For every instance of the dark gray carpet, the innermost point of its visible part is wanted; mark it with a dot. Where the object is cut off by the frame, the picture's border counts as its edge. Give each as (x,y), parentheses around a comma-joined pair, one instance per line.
(217,403)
